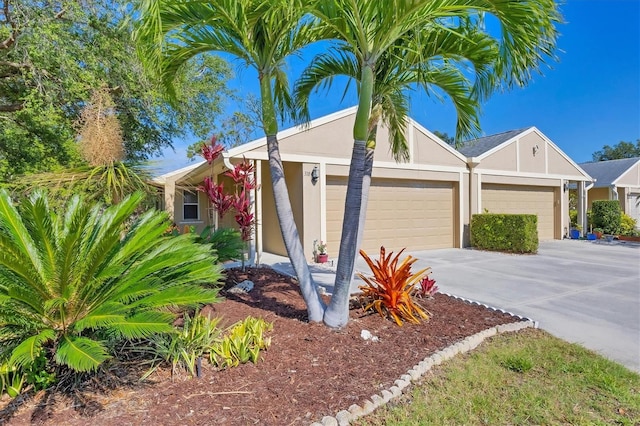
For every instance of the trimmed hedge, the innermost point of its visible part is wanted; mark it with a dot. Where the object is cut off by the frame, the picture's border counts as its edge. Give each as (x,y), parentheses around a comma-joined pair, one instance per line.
(515,233)
(605,214)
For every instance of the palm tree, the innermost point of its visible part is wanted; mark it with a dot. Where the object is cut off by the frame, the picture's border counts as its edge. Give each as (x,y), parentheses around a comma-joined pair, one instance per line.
(373,31)
(262,34)
(67,281)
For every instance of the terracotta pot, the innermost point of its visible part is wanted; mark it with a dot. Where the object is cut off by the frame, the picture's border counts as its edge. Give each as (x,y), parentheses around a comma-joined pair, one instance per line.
(322,258)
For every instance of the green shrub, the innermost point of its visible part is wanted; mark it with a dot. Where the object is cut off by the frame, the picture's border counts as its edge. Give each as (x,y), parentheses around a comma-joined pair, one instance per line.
(573,217)
(242,344)
(183,346)
(67,281)
(605,214)
(516,233)
(226,243)
(627,224)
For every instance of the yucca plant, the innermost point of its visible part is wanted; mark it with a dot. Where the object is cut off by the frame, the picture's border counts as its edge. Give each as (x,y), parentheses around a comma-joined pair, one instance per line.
(390,290)
(68,282)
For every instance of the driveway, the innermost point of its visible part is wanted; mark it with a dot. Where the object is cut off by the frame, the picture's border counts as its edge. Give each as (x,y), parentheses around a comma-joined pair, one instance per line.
(581,291)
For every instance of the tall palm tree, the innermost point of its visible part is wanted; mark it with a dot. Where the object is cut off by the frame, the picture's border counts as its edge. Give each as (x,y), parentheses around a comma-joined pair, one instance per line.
(370,31)
(262,34)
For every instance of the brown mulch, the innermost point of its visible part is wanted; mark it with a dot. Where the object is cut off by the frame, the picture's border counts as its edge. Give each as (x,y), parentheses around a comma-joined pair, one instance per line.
(309,371)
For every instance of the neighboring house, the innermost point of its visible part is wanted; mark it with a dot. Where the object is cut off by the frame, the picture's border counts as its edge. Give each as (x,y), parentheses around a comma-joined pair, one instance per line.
(616,180)
(425,203)
(522,171)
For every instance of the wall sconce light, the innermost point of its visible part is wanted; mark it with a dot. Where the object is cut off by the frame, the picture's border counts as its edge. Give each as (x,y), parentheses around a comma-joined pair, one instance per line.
(536,148)
(566,186)
(314,175)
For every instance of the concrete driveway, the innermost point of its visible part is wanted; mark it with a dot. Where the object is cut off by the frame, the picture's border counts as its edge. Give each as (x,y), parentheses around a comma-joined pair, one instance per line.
(583,292)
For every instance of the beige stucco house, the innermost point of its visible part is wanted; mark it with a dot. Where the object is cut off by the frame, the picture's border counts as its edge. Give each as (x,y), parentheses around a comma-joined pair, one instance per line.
(424,203)
(616,180)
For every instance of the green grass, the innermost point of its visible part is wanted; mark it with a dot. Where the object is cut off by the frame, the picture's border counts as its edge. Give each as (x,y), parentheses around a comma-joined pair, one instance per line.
(526,378)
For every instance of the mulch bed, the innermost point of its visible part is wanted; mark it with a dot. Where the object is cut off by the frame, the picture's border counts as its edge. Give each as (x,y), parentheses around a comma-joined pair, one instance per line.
(309,371)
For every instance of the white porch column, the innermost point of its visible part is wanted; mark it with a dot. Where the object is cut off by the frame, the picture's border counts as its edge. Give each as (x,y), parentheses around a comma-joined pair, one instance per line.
(582,206)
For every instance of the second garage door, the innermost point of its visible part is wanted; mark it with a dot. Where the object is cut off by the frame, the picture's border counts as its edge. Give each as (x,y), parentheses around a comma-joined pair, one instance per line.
(522,200)
(401,213)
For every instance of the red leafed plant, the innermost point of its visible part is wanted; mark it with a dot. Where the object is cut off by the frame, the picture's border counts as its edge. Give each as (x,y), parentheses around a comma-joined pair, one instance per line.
(427,287)
(390,290)
(215,191)
(211,152)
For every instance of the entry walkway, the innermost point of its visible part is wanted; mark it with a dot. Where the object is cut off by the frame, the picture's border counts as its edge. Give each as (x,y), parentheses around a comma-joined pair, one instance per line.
(581,291)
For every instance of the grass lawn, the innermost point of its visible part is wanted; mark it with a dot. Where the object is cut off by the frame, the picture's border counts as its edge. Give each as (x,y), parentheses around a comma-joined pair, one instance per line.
(525,378)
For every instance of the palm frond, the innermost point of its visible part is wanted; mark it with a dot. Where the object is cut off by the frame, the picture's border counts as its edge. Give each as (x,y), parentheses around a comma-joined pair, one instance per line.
(80,353)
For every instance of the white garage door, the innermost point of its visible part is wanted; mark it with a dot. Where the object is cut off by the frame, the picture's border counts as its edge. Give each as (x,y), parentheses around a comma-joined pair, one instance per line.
(401,213)
(538,200)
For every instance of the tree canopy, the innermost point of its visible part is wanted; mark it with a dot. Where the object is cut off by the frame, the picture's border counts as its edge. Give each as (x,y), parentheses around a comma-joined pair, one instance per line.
(54,54)
(620,150)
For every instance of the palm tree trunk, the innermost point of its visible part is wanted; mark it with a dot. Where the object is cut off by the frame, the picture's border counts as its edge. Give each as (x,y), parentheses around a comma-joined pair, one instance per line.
(337,314)
(315,305)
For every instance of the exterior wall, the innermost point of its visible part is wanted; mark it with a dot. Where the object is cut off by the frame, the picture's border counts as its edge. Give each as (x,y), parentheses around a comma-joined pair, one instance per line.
(271,235)
(597,194)
(631,178)
(505,159)
(428,151)
(532,154)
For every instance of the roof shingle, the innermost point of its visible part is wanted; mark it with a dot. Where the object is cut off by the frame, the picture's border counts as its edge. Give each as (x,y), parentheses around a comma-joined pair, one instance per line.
(477,147)
(606,172)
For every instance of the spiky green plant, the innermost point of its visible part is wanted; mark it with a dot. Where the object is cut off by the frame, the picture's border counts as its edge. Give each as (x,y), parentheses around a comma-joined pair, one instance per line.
(66,280)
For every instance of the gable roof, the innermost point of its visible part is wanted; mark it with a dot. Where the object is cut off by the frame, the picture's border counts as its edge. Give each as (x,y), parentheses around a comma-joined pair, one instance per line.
(606,173)
(477,147)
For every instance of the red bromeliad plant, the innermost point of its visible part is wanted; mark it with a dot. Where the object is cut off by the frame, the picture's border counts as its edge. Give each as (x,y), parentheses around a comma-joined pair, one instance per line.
(390,290)
(427,287)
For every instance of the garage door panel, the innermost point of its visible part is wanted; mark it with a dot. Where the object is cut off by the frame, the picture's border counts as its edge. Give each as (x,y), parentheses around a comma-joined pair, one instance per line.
(511,199)
(401,213)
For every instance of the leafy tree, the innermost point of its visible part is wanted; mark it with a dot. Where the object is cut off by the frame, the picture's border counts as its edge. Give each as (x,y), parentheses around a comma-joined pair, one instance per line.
(262,35)
(445,137)
(69,281)
(53,54)
(370,30)
(621,150)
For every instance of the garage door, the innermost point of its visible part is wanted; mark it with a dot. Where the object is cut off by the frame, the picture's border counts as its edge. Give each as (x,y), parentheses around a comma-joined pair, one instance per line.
(522,199)
(401,213)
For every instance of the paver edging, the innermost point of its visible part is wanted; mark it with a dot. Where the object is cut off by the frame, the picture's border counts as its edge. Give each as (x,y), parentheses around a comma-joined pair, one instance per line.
(415,373)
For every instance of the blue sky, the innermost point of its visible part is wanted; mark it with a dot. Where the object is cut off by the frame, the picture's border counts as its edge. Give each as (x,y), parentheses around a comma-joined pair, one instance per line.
(589,98)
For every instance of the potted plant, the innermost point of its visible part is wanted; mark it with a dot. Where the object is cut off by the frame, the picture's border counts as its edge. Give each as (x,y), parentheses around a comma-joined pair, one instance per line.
(598,233)
(575,232)
(320,251)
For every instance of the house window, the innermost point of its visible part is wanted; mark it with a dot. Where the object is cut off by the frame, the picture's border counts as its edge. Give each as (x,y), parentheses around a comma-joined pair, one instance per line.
(190,206)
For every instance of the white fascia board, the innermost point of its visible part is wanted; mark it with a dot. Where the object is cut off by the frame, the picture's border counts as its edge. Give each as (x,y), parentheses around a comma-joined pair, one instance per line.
(437,139)
(314,159)
(615,182)
(491,172)
(177,174)
(559,151)
(503,144)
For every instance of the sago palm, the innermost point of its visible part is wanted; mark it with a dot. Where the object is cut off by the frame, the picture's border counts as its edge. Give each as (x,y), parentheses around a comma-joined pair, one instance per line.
(262,34)
(67,279)
(372,30)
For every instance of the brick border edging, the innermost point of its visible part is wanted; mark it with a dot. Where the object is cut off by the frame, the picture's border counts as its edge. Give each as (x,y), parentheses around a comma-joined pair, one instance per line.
(345,417)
